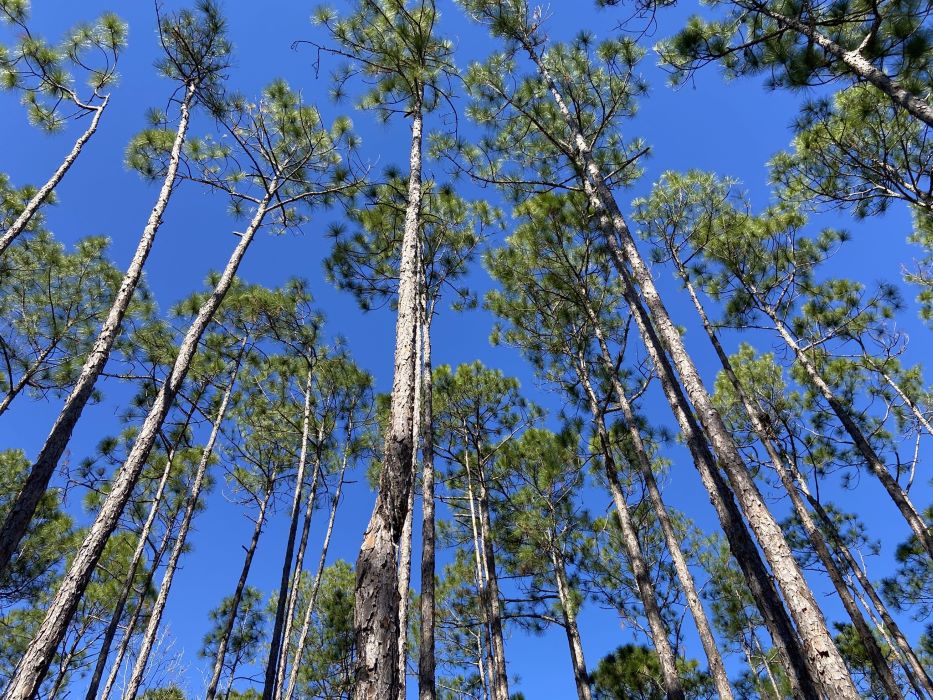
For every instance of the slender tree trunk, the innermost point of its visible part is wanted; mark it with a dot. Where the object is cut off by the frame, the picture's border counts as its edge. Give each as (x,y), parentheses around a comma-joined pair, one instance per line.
(767,664)
(194,497)
(646,591)
(501,681)
(875,464)
(376,612)
(821,653)
(580,676)
(38,656)
(275,644)
(24,507)
(299,566)
(427,688)
(26,377)
(111,631)
(716,667)
(405,545)
(224,640)
(914,408)
(312,597)
(858,64)
(722,498)
(759,426)
(22,221)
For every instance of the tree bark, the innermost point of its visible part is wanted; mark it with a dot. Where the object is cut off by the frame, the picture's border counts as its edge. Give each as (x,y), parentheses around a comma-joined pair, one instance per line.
(194,496)
(821,653)
(427,688)
(580,676)
(759,425)
(35,662)
(376,613)
(275,644)
(312,598)
(224,640)
(22,221)
(646,591)
(24,507)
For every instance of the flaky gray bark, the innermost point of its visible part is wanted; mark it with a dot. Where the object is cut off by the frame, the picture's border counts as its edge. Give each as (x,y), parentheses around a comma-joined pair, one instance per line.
(229,623)
(822,656)
(191,505)
(636,559)
(24,506)
(275,644)
(376,612)
(427,689)
(35,663)
(42,194)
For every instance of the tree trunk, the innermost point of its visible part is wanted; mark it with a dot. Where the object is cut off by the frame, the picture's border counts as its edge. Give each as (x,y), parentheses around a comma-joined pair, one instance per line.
(427,688)
(275,644)
(821,653)
(35,662)
(194,496)
(716,667)
(405,545)
(646,592)
(224,640)
(376,612)
(299,566)
(877,467)
(22,221)
(24,507)
(312,597)
(759,422)
(580,676)
(26,377)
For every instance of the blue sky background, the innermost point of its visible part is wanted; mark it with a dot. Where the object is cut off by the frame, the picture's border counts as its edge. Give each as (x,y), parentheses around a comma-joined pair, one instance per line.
(732,129)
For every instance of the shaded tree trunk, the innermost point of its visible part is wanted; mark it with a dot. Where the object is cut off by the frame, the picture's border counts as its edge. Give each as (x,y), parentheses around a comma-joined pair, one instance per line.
(24,507)
(36,660)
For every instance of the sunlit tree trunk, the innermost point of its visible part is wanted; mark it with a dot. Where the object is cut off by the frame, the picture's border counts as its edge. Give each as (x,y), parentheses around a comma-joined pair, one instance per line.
(427,688)
(567,609)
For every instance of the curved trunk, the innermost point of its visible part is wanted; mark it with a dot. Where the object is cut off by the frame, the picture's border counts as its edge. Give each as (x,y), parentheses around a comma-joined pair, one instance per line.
(375,616)
(224,641)
(35,663)
(24,507)
(22,221)
(152,629)
(275,644)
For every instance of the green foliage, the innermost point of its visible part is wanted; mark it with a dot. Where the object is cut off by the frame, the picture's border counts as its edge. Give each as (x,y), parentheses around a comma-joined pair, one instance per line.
(911,587)
(245,642)
(633,672)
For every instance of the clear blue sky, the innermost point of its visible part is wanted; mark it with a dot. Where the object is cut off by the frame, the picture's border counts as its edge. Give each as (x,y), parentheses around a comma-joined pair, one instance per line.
(732,129)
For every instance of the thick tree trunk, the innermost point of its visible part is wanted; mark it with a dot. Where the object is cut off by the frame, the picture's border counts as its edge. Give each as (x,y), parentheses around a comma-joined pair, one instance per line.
(24,507)
(759,422)
(580,676)
(646,592)
(275,644)
(427,688)
(376,612)
(194,497)
(22,221)
(224,640)
(821,653)
(875,464)
(35,663)
(312,597)
(716,667)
